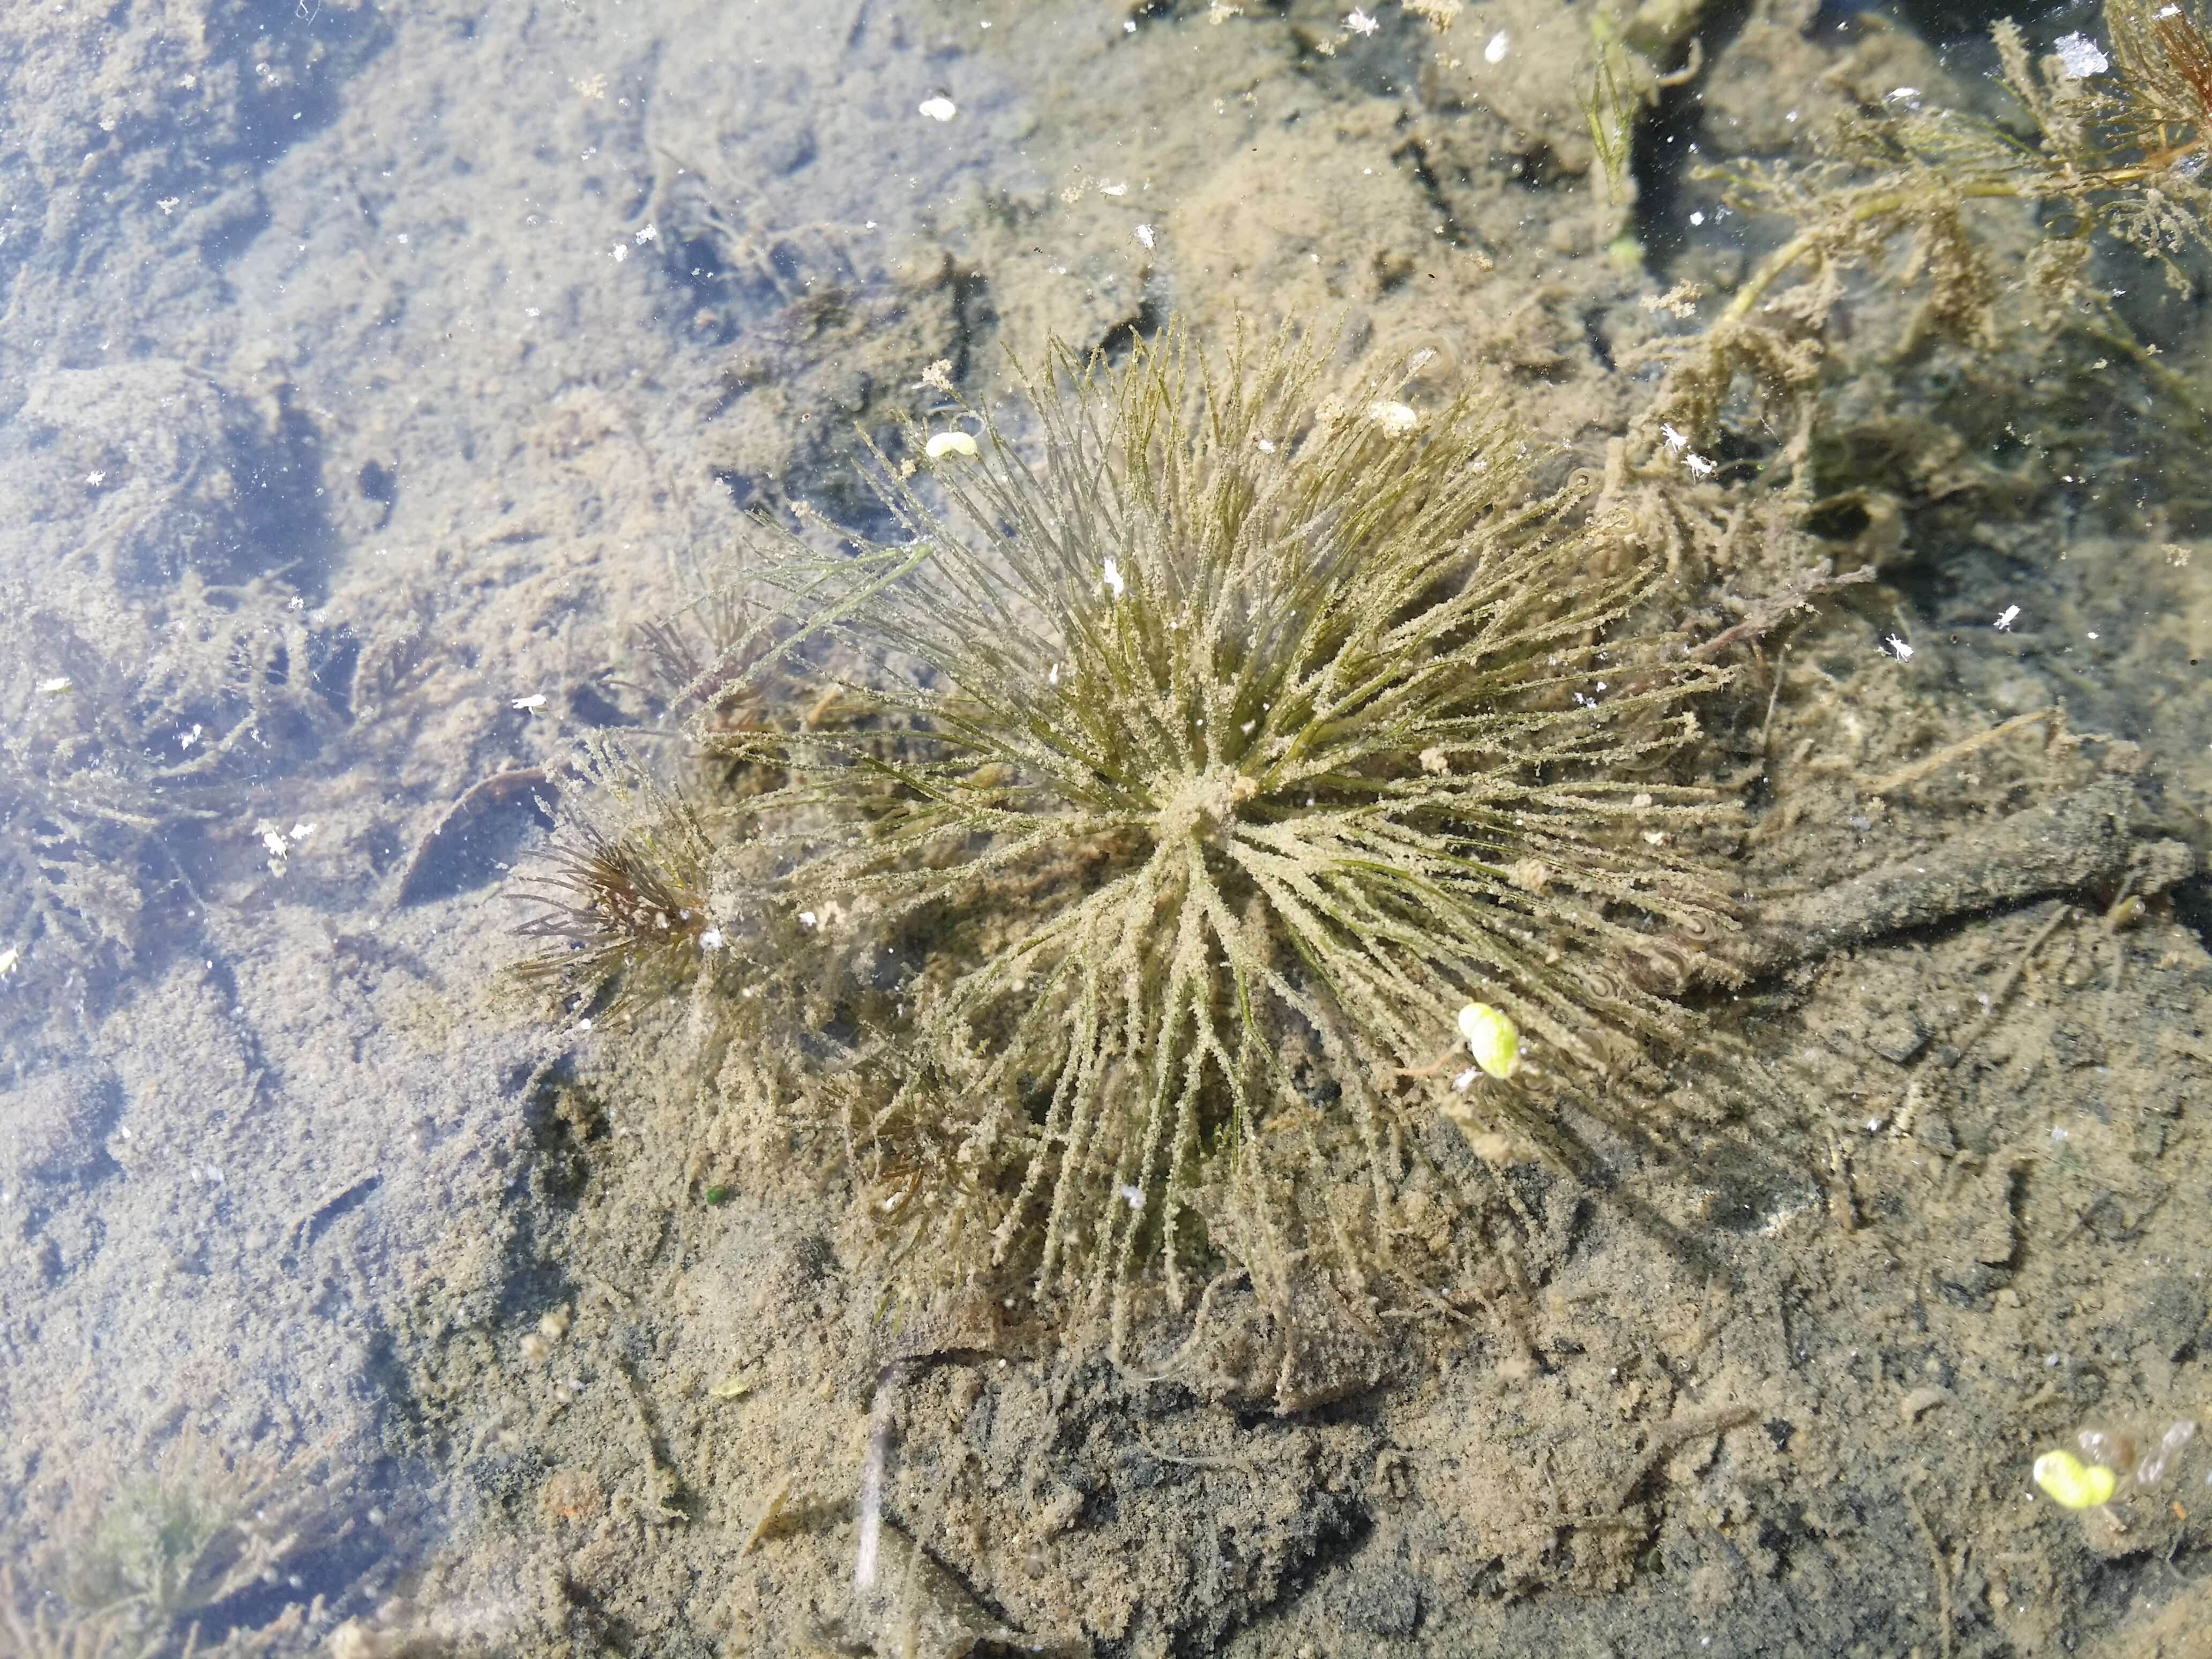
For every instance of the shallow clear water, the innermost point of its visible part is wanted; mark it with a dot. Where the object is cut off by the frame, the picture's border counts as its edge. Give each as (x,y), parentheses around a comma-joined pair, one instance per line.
(369,377)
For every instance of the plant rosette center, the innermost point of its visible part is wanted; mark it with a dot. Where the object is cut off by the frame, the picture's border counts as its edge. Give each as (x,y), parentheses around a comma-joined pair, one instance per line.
(1201,805)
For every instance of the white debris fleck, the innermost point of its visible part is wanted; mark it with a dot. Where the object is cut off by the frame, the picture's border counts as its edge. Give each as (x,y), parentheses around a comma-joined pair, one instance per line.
(1396,419)
(1495,51)
(1698,465)
(1360,23)
(1145,236)
(949,443)
(2003,624)
(1112,577)
(711,940)
(2078,56)
(534,700)
(1898,649)
(939,108)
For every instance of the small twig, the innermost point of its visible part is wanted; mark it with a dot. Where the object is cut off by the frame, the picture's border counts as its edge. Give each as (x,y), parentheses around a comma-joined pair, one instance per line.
(2080,840)
(1673,1433)
(1942,1573)
(1242,1466)
(1914,771)
(661,1481)
(1773,697)
(1964,1045)
(1765,614)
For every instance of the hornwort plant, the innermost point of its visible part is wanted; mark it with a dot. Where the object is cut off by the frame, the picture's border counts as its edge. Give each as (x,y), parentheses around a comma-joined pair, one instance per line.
(1192,765)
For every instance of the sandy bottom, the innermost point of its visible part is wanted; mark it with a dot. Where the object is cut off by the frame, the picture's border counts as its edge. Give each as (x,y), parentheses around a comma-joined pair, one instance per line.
(412,357)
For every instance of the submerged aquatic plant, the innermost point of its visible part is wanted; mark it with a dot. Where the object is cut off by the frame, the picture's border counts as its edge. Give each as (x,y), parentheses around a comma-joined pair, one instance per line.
(122,728)
(1207,763)
(2114,146)
(624,910)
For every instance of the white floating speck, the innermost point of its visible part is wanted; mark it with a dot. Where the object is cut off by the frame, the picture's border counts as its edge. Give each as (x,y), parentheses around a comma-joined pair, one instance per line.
(1112,577)
(939,108)
(534,700)
(1360,23)
(1145,235)
(949,443)
(2003,624)
(2078,56)
(1495,51)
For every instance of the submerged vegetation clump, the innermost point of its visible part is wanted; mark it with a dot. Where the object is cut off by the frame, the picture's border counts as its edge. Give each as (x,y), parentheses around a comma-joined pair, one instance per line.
(1152,804)
(124,729)
(2101,154)
(196,1553)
